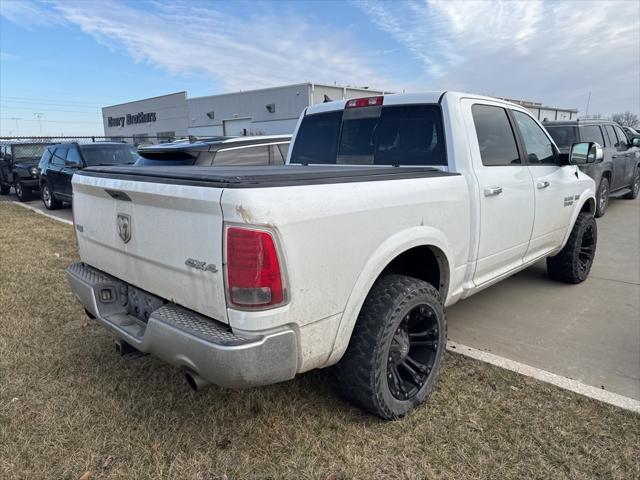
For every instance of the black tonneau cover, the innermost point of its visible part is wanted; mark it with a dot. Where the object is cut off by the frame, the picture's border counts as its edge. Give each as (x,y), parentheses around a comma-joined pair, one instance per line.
(262,176)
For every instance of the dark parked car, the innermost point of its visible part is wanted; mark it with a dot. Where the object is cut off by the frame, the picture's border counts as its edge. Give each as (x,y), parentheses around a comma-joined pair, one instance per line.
(19,168)
(215,151)
(620,168)
(60,161)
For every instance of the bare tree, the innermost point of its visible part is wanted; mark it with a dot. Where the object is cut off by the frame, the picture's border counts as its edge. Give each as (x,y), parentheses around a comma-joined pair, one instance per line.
(626,119)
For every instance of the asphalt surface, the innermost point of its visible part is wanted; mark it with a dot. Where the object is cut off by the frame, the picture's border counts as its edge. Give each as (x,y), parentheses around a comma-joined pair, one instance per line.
(588,332)
(63,213)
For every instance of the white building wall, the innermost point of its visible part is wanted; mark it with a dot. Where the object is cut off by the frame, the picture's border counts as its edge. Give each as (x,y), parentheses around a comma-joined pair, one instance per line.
(169,111)
(269,110)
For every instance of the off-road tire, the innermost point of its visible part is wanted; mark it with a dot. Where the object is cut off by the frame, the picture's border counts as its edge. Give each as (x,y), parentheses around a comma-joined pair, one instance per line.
(362,373)
(23,194)
(571,265)
(5,189)
(634,188)
(602,197)
(50,202)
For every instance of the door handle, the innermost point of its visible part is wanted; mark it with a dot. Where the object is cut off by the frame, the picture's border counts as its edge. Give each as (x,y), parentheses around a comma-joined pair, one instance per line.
(543,184)
(490,191)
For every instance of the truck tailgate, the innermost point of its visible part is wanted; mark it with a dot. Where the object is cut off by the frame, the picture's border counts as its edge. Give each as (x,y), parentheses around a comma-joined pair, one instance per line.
(167,225)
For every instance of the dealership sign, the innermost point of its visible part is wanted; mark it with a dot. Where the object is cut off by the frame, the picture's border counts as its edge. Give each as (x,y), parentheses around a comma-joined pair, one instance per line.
(131,119)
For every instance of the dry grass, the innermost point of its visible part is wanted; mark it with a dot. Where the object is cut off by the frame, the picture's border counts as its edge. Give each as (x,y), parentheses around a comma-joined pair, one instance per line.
(69,405)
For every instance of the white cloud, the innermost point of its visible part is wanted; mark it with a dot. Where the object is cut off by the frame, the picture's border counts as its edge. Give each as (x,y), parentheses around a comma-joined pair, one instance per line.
(239,51)
(555,52)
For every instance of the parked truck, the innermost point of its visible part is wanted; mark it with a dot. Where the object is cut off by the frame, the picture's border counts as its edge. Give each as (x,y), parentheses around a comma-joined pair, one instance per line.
(390,209)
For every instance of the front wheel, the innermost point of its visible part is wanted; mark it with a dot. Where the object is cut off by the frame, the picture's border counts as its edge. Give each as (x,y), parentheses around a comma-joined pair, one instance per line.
(573,263)
(395,352)
(634,188)
(23,194)
(602,198)
(50,202)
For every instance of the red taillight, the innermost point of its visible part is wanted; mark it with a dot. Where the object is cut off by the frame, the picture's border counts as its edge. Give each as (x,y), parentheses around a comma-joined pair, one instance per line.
(253,271)
(364,102)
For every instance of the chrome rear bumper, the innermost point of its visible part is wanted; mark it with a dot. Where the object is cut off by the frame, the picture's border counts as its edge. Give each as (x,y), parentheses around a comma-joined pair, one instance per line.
(184,338)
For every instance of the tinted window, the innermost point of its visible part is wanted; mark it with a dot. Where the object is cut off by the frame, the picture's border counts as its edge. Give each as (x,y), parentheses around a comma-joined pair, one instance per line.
(59,156)
(563,135)
(393,135)
(96,154)
(591,133)
(536,143)
(317,138)
(46,156)
(611,134)
(622,138)
(495,136)
(73,157)
(243,156)
(168,158)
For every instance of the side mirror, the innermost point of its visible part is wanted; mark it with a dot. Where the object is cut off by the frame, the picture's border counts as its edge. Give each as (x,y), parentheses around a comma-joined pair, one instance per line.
(586,152)
(68,163)
(635,142)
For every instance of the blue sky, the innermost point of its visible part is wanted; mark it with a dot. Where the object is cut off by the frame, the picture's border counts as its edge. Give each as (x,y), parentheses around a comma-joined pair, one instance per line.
(66,59)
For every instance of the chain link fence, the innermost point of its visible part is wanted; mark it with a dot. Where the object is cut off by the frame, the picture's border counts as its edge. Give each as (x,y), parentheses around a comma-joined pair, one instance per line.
(137,140)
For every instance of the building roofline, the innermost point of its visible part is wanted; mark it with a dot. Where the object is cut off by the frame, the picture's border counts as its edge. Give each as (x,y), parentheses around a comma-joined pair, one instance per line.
(145,99)
(279,87)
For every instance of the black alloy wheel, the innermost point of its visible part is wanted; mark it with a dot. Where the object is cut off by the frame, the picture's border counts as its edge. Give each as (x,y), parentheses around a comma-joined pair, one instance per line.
(412,352)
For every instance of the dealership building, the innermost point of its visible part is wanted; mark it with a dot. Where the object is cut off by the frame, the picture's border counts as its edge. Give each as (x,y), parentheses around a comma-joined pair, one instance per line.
(266,111)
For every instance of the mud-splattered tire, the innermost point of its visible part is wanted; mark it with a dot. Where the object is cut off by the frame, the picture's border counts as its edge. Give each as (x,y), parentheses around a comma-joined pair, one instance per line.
(634,188)
(395,352)
(573,263)
(602,198)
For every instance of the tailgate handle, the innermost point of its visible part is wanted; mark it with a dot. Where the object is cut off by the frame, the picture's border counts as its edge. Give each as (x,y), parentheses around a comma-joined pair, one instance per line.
(118,195)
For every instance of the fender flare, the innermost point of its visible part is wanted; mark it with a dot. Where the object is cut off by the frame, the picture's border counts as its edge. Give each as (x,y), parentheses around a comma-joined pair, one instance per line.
(586,196)
(419,236)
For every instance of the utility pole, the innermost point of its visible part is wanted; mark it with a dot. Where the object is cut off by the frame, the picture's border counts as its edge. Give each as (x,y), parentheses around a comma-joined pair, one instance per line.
(586,113)
(39,116)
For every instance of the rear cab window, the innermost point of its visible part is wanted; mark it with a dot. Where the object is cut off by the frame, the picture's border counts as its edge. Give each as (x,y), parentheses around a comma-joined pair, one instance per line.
(410,135)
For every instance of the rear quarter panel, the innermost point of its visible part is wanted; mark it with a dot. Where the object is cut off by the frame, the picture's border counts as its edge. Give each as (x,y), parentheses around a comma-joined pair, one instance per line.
(336,239)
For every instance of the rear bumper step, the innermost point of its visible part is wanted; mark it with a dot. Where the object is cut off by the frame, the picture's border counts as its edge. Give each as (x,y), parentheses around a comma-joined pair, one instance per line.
(184,338)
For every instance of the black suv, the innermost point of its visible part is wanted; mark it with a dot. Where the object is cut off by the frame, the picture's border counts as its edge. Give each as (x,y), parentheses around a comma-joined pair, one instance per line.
(59,162)
(618,171)
(19,167)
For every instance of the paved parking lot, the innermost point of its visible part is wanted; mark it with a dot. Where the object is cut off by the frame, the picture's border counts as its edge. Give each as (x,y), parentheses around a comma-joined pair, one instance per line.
(588,332)
(63,213)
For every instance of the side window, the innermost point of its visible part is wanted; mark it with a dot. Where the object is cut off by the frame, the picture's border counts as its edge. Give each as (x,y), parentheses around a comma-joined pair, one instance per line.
(276,156)
(591,133)
(59,156)
(612,135)
(284,150)
(495,136)
(46,157)
(258,155)
(73,157)
(539,148)
(623,142)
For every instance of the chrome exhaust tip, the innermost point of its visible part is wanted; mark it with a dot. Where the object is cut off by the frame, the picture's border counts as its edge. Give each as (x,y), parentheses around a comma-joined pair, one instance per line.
(195,381)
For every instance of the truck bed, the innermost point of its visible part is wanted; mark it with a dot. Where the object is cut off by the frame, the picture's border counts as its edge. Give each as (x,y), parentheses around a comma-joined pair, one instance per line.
(258,177)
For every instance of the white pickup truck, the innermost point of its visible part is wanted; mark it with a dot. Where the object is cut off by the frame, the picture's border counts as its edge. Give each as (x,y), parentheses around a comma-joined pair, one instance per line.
(390,209)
